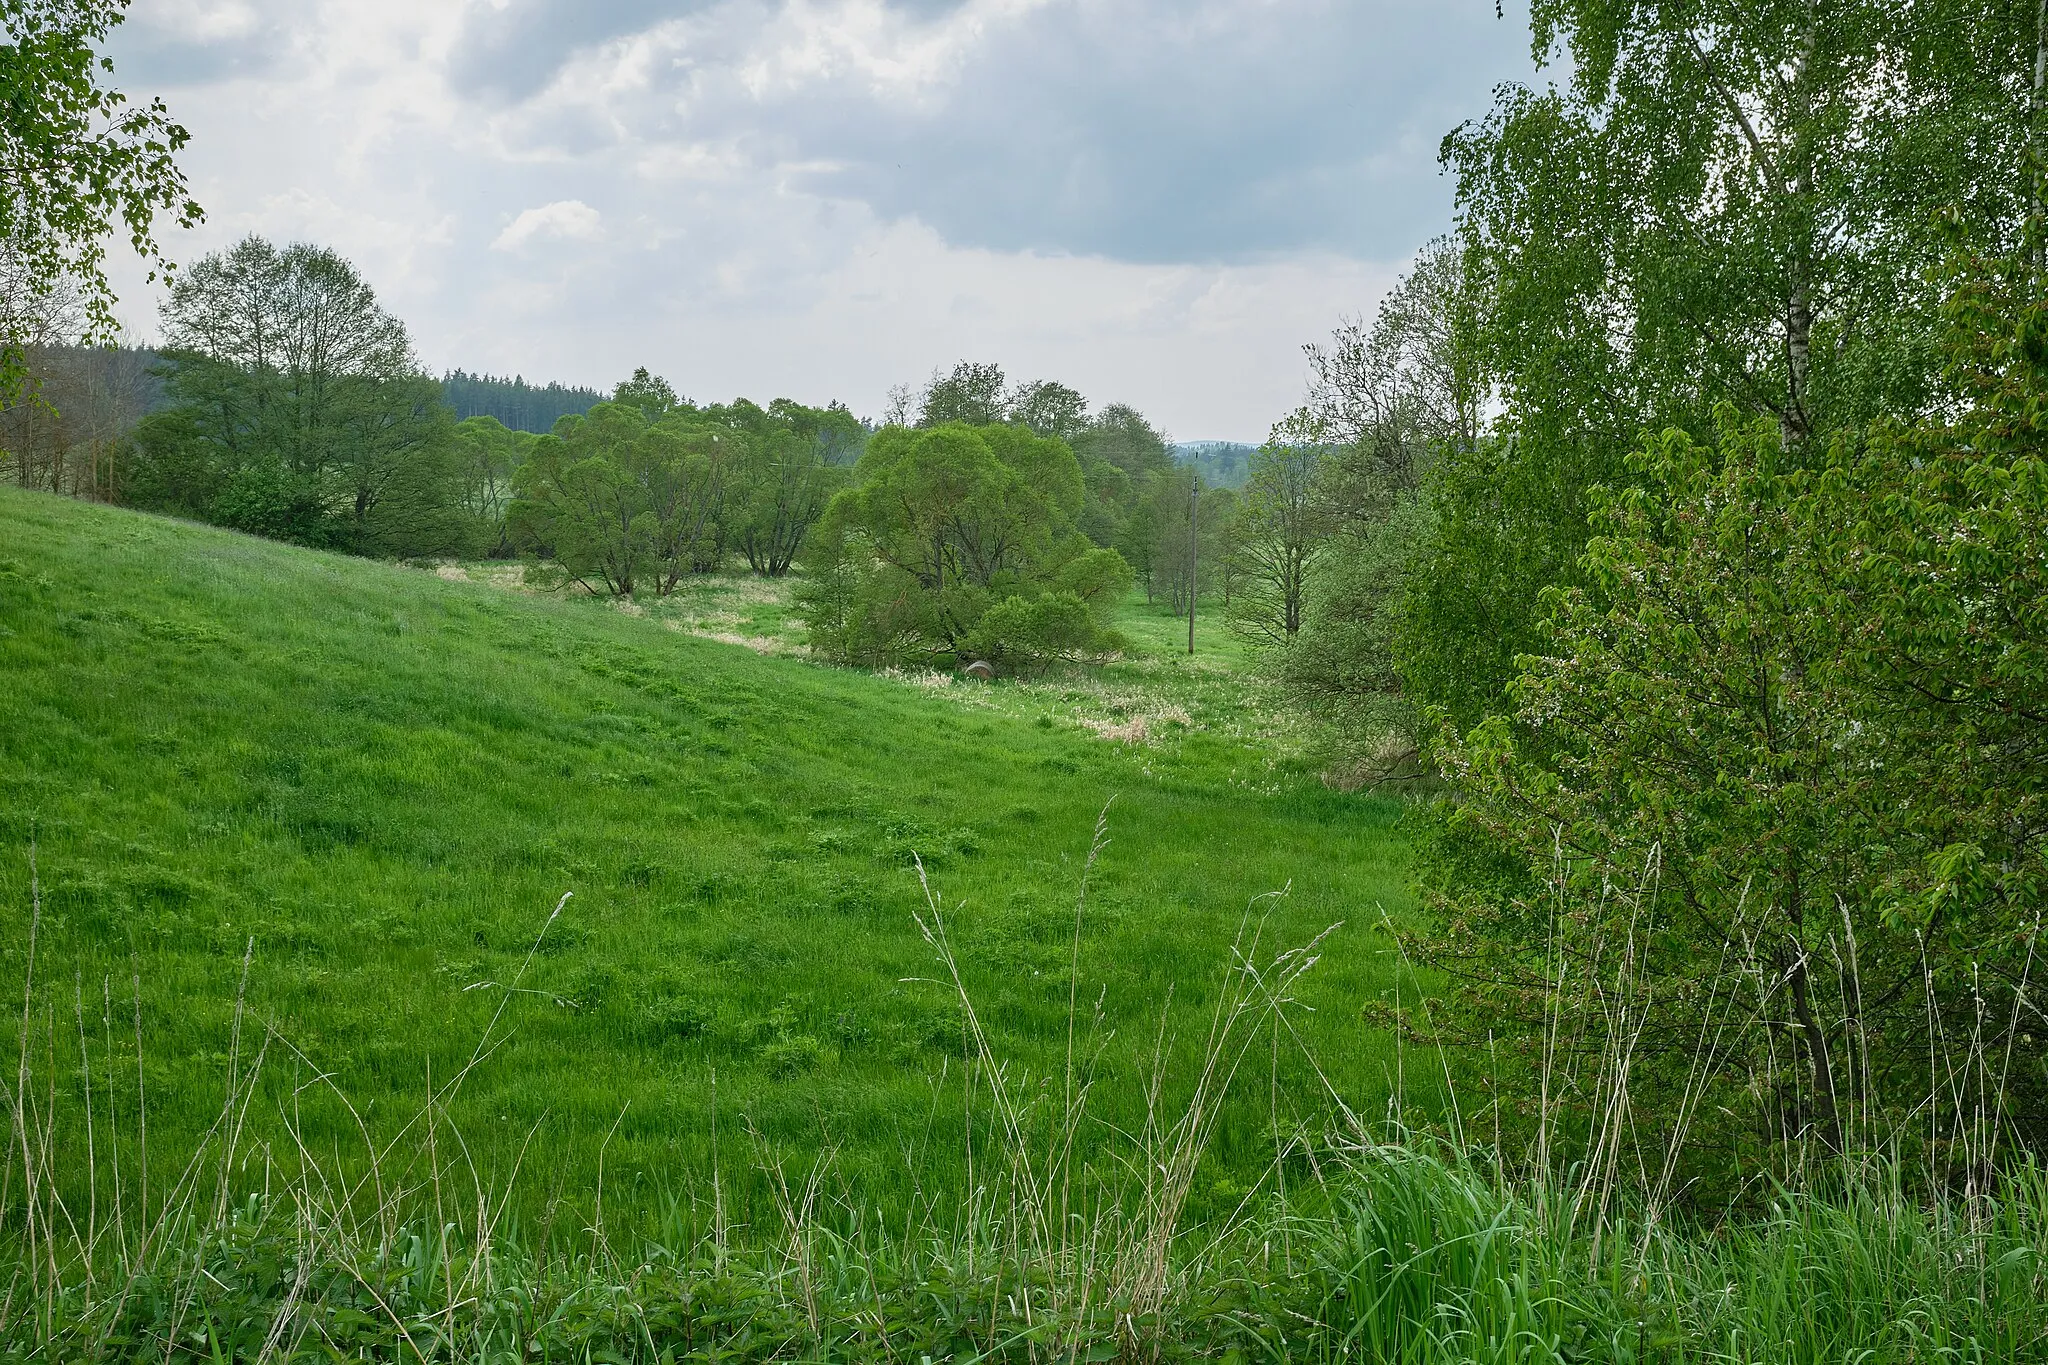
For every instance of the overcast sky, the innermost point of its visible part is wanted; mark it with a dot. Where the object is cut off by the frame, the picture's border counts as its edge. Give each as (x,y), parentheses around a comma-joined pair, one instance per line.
(1156,201)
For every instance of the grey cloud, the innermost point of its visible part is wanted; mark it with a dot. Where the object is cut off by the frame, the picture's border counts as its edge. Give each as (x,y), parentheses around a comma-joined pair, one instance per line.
(513,52)
(149,57)
(1282,131)
(1135,131)
(510,53)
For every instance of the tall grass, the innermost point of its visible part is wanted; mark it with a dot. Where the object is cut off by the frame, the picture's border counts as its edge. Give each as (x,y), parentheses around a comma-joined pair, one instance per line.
(1387,1246)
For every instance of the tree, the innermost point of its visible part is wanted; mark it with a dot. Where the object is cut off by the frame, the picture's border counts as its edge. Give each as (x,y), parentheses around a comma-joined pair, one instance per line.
(1722,204)
(619,502)
(1281,530)
(581,504)
(393,464)
(37,316)
(1936,538)
(297,410)
(514,402)
(1119,435)
(781,485)
(687,467)
(1112,498)
(1773,789)
(650,393)
(1158,533)
(1693,790)
(1050,409)
(786,461)
(1350,665)
(1385,399)
(1395,408)
(75,155)
(942,526)
(833,430)
(960,505)
(70,429)
(972,394)
(488,454)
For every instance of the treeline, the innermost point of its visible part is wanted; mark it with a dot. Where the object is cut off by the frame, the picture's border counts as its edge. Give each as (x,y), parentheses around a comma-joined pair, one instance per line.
(1003,523)
(513,402)
(286,402)
(648,488)
(69,426)
(1222,464)
(1686,510)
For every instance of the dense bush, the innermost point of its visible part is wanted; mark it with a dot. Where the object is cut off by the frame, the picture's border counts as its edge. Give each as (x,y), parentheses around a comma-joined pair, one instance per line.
(1771,797)
(295,410)
(959,542)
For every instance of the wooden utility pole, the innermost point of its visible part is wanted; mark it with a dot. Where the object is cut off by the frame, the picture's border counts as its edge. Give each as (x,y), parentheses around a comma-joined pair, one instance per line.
(1194,543)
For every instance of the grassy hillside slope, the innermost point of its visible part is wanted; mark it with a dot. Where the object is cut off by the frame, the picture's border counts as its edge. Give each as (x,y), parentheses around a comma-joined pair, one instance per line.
(384,781)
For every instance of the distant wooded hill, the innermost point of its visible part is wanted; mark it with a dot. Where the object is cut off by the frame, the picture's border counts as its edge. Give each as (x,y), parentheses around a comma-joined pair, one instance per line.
(518,404)
(1222,464)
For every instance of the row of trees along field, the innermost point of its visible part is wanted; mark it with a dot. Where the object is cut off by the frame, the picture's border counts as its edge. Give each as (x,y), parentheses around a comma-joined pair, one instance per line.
(1686,511)
(998,522)
(285,401)
(514,402)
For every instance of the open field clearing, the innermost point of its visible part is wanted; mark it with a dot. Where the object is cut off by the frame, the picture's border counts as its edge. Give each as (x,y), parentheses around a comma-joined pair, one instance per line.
(376,784)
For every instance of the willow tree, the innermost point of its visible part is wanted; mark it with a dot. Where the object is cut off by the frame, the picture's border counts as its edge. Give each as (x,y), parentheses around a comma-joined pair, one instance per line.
(941,532)
(619,503)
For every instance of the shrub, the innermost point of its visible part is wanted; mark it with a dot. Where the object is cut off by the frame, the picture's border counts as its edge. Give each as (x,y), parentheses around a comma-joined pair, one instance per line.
(947,528)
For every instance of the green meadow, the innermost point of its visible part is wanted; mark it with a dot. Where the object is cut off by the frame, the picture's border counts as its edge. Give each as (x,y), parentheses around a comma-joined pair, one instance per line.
(343,798)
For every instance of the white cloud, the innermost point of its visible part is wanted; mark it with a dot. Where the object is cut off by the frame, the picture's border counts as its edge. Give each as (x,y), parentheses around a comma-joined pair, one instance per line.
(565,219)
(1156,201)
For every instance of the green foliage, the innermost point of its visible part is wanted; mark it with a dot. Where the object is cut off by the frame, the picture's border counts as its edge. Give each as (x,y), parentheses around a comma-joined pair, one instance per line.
(1503,527)
(973,394)
(1717,207)
(1050,409)
(1019,633)
(781,486)
(1222,464)
(78,156)
(487,454)
(1349,665)
(1120,436)
(620,502)
(1938,534)
(1118,450)
(295,411)
(514,402)
(1692,779)
(788,461)
(1280,531)
(1181,537)
(1790,739)
(650,393)
(940,527)
(1394,409)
